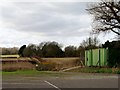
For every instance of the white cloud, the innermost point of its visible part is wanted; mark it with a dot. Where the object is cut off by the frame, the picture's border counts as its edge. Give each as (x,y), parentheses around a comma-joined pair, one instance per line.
(34,22)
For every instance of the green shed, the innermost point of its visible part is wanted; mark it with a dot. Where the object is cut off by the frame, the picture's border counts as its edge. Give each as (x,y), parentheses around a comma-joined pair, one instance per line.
(96,57)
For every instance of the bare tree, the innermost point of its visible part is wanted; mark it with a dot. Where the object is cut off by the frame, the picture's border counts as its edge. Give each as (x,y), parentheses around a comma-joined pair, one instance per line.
(90,43)
(106,16)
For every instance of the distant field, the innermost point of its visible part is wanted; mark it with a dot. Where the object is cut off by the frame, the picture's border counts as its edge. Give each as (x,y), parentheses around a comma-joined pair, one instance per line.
(9,56)
(23,63)
(63,60)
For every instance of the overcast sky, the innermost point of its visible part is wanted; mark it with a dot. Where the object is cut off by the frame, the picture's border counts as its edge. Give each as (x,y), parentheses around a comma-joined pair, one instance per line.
(67,23)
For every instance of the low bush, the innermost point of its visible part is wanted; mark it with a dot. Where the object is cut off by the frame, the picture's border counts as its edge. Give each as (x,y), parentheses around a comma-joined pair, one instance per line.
(46,66)
(118,72)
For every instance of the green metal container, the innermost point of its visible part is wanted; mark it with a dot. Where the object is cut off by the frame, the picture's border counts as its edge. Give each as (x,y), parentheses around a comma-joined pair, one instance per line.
(96,57)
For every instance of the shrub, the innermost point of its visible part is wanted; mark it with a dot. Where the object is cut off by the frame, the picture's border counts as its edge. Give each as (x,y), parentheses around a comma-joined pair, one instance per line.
(118,72)
(46,66)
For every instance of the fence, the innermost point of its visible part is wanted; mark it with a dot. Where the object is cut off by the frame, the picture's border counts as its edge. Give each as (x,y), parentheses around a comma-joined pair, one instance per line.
(96,57)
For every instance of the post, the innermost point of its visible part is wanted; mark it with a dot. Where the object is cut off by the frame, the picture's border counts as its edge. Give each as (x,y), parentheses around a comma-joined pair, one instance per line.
(99,58)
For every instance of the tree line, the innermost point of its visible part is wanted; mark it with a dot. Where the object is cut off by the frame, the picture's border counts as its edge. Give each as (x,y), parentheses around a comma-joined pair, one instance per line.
(9,51)
(54,49)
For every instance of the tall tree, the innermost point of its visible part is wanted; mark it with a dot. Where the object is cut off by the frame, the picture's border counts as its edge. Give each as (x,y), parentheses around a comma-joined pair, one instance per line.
(21,50)
(70,51)
(114,53)
(30,50)
(52,49)
(106,16)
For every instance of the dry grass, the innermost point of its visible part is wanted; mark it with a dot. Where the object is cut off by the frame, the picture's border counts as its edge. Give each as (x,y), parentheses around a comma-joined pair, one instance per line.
(63,63)
(13,64)
(15,59)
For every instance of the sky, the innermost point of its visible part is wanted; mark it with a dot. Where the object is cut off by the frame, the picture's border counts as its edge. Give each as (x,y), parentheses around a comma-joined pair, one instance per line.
(66,22)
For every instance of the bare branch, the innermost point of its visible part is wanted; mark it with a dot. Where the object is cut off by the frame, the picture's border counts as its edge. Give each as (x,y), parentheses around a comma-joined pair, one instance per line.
(106,16)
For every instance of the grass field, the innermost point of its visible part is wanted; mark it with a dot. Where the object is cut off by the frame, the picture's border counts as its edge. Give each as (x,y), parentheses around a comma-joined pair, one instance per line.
(60,64)
(13,64)
(63,63)
(67,61)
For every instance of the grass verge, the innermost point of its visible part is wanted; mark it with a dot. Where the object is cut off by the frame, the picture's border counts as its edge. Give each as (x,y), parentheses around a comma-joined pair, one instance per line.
(33,73)
(26,72)
(96,70)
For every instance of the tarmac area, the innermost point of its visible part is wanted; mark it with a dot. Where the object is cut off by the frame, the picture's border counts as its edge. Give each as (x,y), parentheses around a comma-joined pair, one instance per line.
(69,81)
